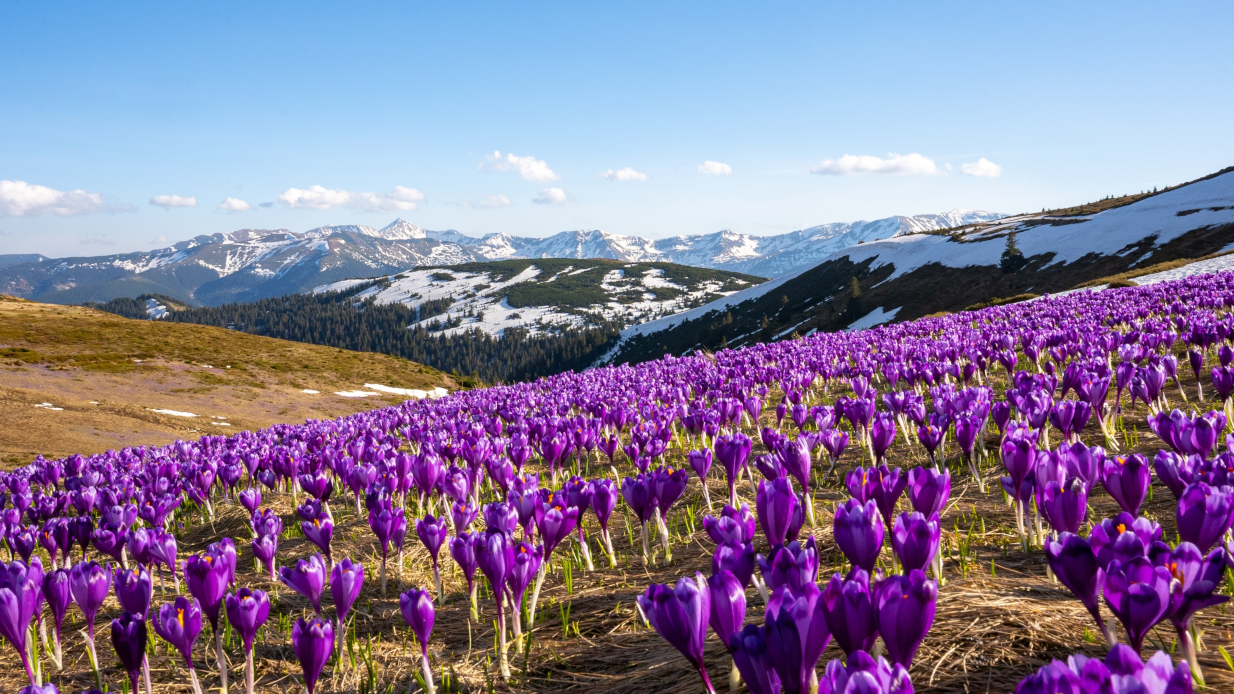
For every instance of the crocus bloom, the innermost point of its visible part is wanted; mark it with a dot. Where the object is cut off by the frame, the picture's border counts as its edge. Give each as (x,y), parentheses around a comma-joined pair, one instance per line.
(21,589)
(680,615)
(89,583)
(128,637)
(417,608)
(463,551)
(1126,478)
(700,462)
(495,555)
(858,531)
(247,610)
(928,490)
(849,611)
(1139,595)
(776,503)
(1121,672)
(1204,514)
(749,649)
(432,533)
(728,605)
(179,624)
(862,673)
(1199,577)
(731,526)
(134,589)
(795,628)
(319,531)
(1074,563)
(308,578)
(264,548)
(914,539)
(793,565)
(312,641)
(1064,506)
(56,592)
(733,452)
(736,557)
(904,607)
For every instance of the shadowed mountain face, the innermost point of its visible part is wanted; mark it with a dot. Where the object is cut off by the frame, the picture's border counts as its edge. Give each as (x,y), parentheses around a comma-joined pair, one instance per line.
(251,264)
(912,275)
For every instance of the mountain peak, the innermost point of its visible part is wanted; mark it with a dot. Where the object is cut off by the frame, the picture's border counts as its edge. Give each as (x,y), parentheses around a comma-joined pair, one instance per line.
(398,230)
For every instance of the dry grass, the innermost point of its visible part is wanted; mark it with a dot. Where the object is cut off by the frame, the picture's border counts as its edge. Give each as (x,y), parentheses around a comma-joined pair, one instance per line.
(999,617)
(70,356)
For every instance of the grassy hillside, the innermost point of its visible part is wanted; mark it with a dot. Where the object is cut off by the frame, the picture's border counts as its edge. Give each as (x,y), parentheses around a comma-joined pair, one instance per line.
(72,357)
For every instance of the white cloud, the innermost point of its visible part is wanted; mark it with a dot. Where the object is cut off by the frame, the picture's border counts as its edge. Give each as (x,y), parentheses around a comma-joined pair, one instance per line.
(21,199)
(530,168)
(235,205)
(169,201)
(551,196)
(715,168)
(159,239)
(904,165)
(982,168)
(487,202)
(626,174)
(401,199)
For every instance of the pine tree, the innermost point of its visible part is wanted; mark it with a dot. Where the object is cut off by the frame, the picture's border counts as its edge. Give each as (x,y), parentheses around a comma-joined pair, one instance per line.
(854,287)
(1013,259)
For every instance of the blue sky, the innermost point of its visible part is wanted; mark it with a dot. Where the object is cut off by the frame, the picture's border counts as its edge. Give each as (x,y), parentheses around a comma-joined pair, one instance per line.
(393,106)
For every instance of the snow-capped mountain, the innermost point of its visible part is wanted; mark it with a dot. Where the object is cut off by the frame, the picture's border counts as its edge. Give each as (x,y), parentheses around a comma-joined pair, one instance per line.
(250,264)
(546,295)
(905,276)
(764,256)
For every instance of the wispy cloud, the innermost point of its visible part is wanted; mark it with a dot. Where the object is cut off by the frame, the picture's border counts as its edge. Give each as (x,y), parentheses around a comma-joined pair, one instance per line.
(850,165)
(159,239)
(530,168)
(401,199)
(715,168)
(486,202)
(235,205)
(21,199)
(626,174)
(169,201)
(982,168)
(551,196)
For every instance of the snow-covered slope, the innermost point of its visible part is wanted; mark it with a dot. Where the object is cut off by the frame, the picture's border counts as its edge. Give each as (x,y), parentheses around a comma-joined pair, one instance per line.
(1190,220)
(548,295)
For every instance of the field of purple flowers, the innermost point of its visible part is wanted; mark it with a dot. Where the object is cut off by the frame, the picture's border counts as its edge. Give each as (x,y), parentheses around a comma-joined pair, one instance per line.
(1033,497)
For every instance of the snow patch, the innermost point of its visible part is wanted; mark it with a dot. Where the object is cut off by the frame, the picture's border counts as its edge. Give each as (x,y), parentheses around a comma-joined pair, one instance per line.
(876,317)
(1202,267)
(173,413)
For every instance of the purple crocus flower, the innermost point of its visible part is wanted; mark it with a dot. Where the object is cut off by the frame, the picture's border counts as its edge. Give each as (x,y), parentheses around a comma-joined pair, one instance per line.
(858,531)
(179,624)
(432,533)
(1064,506)
(346,582)
(700,462)
(862,673)
(736,557)
(1139,594)
(1126,478)
(795,629)
(1204,514)
(929,490)
(250,499)
(56,593)
(914,539)
(320,531)
(307,577)
(794,565)
(495,555)
(848,608)
(1121,672)
(21,590)
(749,649)
(731,526)
(680,614)
(128,637)
(134,589)
(728,605)
(733,452)
(463,551)
(1199,577)
(904,607)
(417,608)
(89,583)
(776,504)
(312,641)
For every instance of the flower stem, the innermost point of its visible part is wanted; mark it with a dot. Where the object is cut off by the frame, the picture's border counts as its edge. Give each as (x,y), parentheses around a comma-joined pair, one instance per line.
(222,659)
